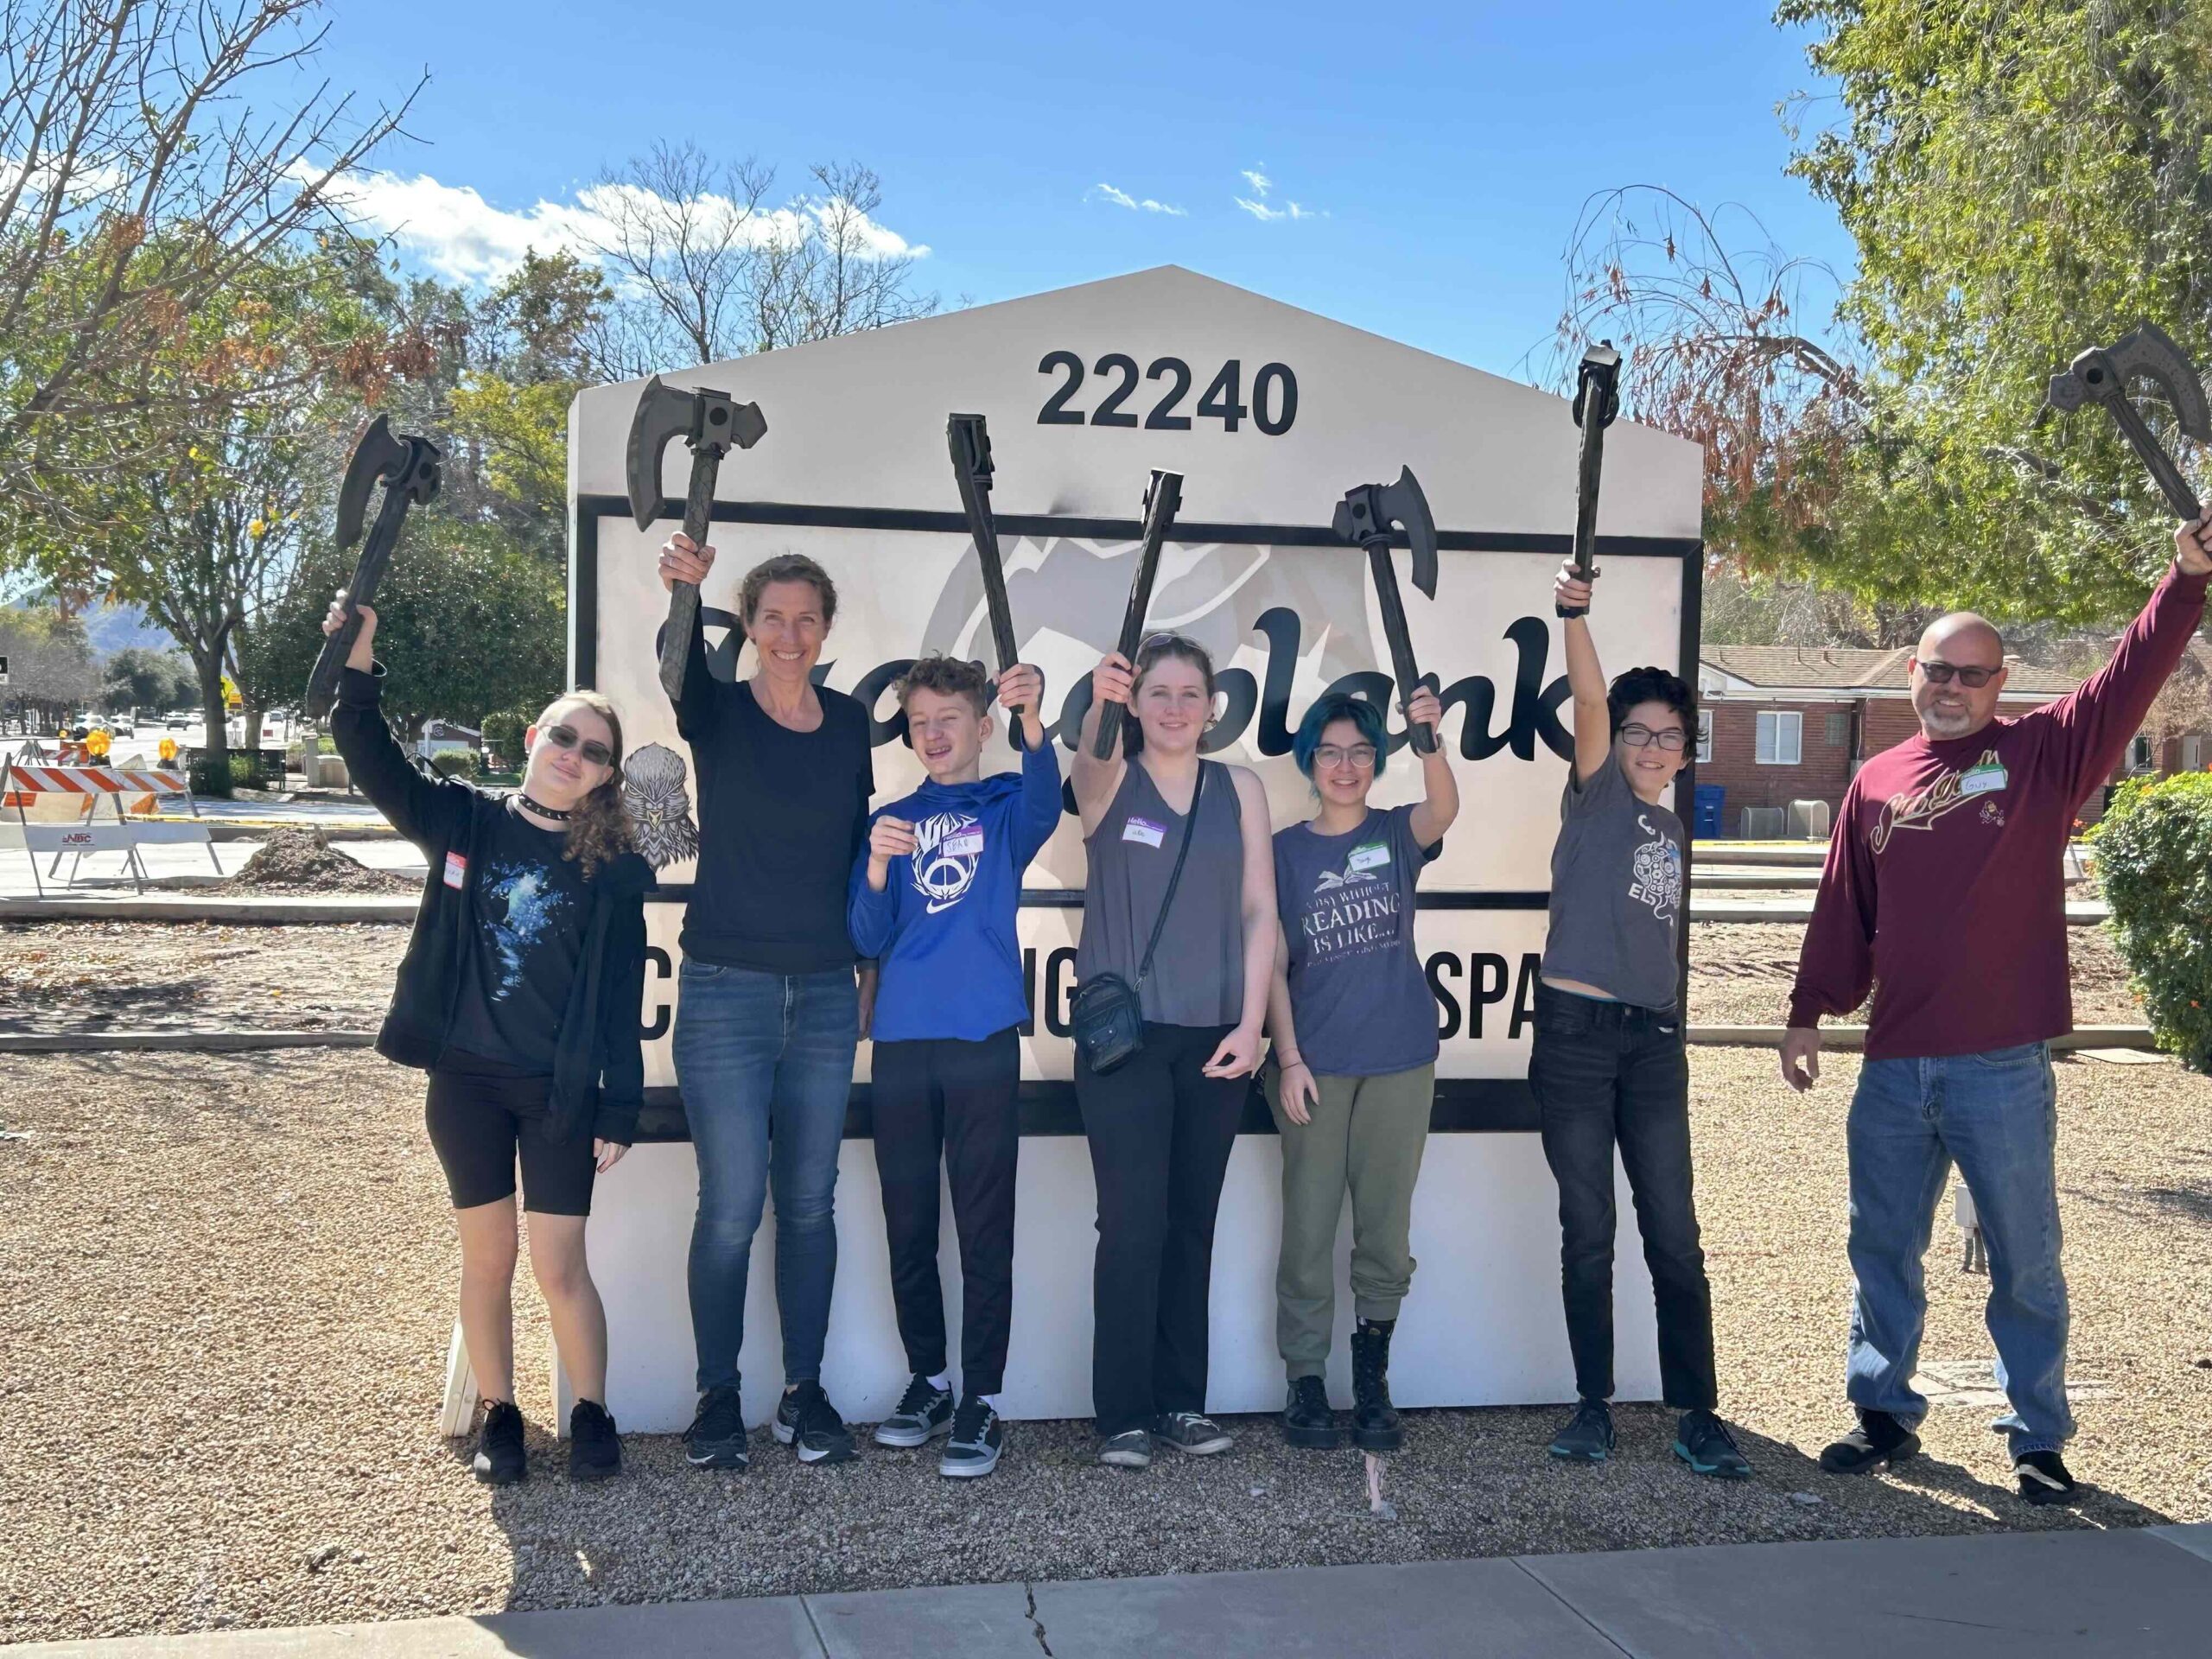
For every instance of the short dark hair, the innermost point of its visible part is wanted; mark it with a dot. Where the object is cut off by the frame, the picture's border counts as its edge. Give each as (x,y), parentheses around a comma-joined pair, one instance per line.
(1325,712)
(948,678)
(786,567)
(1651,685)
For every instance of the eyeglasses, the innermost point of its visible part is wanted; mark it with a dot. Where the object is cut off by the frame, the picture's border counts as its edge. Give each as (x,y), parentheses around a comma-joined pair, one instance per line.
(1944,673)
(565,737)
(1361,755)
(1639,737)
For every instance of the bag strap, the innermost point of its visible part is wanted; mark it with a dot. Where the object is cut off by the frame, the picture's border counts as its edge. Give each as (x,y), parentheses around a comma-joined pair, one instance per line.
(1167,898)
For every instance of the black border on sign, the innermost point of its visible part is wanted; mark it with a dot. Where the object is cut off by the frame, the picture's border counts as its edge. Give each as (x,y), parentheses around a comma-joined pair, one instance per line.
(1464,1105)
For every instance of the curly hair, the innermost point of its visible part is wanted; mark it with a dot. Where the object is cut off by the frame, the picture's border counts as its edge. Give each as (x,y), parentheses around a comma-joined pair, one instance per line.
(1651,685)
(1325,713)
(786,567)
(948,678)
(601,829)
(1156,648)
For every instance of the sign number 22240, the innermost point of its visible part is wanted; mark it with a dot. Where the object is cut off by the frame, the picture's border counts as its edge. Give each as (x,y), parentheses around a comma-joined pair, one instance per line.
(1273,408)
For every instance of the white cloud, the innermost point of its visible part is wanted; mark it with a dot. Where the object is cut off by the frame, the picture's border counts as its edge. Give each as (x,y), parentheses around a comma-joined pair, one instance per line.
(1107,193)
(463,237)
(1261,182)
(1261,211)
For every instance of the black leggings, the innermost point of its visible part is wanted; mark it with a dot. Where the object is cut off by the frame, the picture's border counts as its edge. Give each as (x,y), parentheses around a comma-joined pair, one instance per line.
(942,1095)
(1160,1135)
(483,1117)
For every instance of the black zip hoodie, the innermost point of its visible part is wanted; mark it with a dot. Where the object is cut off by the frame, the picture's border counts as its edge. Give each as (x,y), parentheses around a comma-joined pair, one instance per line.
(598,1063)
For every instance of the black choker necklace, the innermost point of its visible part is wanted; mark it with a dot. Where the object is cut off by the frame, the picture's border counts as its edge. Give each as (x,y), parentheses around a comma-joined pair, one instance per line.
(546,811)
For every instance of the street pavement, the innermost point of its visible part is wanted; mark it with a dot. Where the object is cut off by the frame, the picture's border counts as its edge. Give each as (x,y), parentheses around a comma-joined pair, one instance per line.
(2117,1594)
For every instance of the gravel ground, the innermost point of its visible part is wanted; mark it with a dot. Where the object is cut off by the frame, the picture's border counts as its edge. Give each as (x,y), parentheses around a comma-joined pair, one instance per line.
(224,1296)
(87,976)
(1740,974)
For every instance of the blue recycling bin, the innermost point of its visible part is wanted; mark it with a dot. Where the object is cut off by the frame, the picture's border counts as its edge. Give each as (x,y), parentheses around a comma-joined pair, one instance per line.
(1705,811)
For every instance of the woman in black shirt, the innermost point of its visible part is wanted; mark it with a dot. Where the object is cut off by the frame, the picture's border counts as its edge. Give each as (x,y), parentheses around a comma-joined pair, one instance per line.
(520,994)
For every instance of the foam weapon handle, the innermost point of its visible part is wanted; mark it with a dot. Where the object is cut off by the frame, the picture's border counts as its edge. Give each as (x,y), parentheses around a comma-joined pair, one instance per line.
(969,440)
(1596,401)
(1161,501)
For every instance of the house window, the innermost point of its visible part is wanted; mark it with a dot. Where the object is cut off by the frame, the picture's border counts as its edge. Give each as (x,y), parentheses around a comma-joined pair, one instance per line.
(1781,737)
(1839,729)
(1704,735)
(2139,754)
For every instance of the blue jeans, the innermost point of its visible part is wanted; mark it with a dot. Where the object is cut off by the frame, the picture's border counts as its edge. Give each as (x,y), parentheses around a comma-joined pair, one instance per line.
(765,1064)
(1997,1114)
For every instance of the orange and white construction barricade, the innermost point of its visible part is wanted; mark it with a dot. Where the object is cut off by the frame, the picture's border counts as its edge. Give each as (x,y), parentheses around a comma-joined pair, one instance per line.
(57,810)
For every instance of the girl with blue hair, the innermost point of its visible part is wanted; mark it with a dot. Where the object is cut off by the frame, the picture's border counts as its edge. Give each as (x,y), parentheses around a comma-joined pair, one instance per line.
(1354,1059)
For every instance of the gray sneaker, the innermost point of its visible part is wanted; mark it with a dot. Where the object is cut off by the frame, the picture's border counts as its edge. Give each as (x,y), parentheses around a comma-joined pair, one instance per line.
(924,1412)
(977,1440)
(1130,1449)
(1192,1432)
(1588,1436)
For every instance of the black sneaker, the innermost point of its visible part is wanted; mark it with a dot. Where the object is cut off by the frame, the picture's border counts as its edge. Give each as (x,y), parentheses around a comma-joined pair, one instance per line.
(1130,1449)
(809,1425)
(594,1451)
(924,1412)
(499,1459)
(977,1439)
(2043,1479)
(1879,1439)
(1306,1419)
(1588,1436)
(1703,1441)
(716,1437)
(1192,1432)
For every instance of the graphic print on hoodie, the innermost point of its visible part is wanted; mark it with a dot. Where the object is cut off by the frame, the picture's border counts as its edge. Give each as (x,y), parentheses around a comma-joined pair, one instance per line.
(942,928)
(528,916)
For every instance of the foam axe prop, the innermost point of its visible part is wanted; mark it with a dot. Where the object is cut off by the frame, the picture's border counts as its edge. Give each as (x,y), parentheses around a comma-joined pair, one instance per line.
(970,440)
(2100,375)
(1596,401)
(1163,497)
(1364,517)
(407,468)
(709,421)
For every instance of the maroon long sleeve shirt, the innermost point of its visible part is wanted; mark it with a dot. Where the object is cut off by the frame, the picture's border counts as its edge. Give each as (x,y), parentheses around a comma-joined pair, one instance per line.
(1942,891)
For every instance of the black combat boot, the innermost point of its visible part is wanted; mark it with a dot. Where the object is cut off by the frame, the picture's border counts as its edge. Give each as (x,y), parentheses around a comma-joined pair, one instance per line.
(1374,1425)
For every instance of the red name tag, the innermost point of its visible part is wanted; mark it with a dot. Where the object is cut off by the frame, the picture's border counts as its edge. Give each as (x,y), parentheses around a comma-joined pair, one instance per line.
(456,870)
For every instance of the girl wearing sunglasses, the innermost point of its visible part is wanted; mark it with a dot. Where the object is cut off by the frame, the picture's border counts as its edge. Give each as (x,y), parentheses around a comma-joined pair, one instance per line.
(1608,1066)
(519,994)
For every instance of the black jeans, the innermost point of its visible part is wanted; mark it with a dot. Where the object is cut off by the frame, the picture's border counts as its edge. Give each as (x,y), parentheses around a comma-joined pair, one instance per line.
(959,1098)
(1160,1135)
(1606,1072)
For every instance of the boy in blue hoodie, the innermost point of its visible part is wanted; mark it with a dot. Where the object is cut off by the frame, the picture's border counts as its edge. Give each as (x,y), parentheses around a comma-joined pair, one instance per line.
(933,900)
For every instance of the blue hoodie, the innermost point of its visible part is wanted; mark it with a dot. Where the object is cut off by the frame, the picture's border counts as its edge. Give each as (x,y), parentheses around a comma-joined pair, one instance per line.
(942,928)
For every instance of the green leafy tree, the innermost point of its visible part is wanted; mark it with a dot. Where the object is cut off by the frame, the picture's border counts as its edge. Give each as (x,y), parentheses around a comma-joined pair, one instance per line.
(138,677)
(51,674)
(2154,858)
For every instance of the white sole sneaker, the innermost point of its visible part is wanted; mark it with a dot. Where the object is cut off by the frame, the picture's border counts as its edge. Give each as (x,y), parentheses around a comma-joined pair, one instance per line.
(966,1468)
(906,1439)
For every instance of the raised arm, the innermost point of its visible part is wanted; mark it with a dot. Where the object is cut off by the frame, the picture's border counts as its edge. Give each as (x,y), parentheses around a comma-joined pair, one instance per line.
(1593,723)
(696,709)
(426,809)
(1440,803)
(1095,780)
(1239,1052)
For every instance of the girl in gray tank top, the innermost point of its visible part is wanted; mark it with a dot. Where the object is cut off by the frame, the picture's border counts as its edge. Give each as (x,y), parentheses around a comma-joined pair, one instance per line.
(1162,1124)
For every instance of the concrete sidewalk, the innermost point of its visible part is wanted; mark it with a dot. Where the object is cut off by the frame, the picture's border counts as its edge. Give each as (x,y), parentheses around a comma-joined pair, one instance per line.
(2131,1595)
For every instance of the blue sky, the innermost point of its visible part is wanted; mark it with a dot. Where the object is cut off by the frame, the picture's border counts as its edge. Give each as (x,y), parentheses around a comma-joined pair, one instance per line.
(1437,153)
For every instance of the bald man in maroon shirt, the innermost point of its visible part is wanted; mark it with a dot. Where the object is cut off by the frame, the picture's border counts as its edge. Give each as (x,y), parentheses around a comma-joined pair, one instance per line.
(1942,895)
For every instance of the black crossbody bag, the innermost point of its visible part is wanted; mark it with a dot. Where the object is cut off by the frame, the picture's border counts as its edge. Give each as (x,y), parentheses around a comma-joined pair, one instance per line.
(1106,1019)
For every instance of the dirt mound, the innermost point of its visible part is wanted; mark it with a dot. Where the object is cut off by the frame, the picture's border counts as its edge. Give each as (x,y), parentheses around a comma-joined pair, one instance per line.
(303,861)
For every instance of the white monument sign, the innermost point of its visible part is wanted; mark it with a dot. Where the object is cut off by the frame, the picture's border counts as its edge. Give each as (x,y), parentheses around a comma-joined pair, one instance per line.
(1271,413)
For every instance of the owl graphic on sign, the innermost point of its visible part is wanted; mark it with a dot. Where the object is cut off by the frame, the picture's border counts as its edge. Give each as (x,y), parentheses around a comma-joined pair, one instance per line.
(652,791)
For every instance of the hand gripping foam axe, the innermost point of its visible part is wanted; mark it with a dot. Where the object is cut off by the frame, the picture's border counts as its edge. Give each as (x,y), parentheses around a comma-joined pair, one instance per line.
(1364,517)
(2100,375)
(1163,497)
(1596,401)
(408,468)
(970,440)
(709,421)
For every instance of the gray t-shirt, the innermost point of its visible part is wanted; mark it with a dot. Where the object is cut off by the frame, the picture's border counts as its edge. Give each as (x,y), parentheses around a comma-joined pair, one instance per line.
(1358,999)
(1616,892)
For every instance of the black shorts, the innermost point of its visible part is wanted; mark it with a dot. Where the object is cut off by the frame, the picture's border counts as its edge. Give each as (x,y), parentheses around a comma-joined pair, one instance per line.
(483,1117)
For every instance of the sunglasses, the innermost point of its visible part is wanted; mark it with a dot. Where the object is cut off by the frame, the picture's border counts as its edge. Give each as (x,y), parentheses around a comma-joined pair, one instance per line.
(1944,673)
(565,737)
(1639,737)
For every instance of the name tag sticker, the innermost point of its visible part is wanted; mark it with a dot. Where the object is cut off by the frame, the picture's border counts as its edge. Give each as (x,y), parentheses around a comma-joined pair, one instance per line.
(1373,856)
(1982,779)
(456,870)
(1143,830)
(967,844)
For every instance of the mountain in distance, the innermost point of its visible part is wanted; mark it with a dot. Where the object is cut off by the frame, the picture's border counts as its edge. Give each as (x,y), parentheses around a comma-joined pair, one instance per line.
(111,628)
